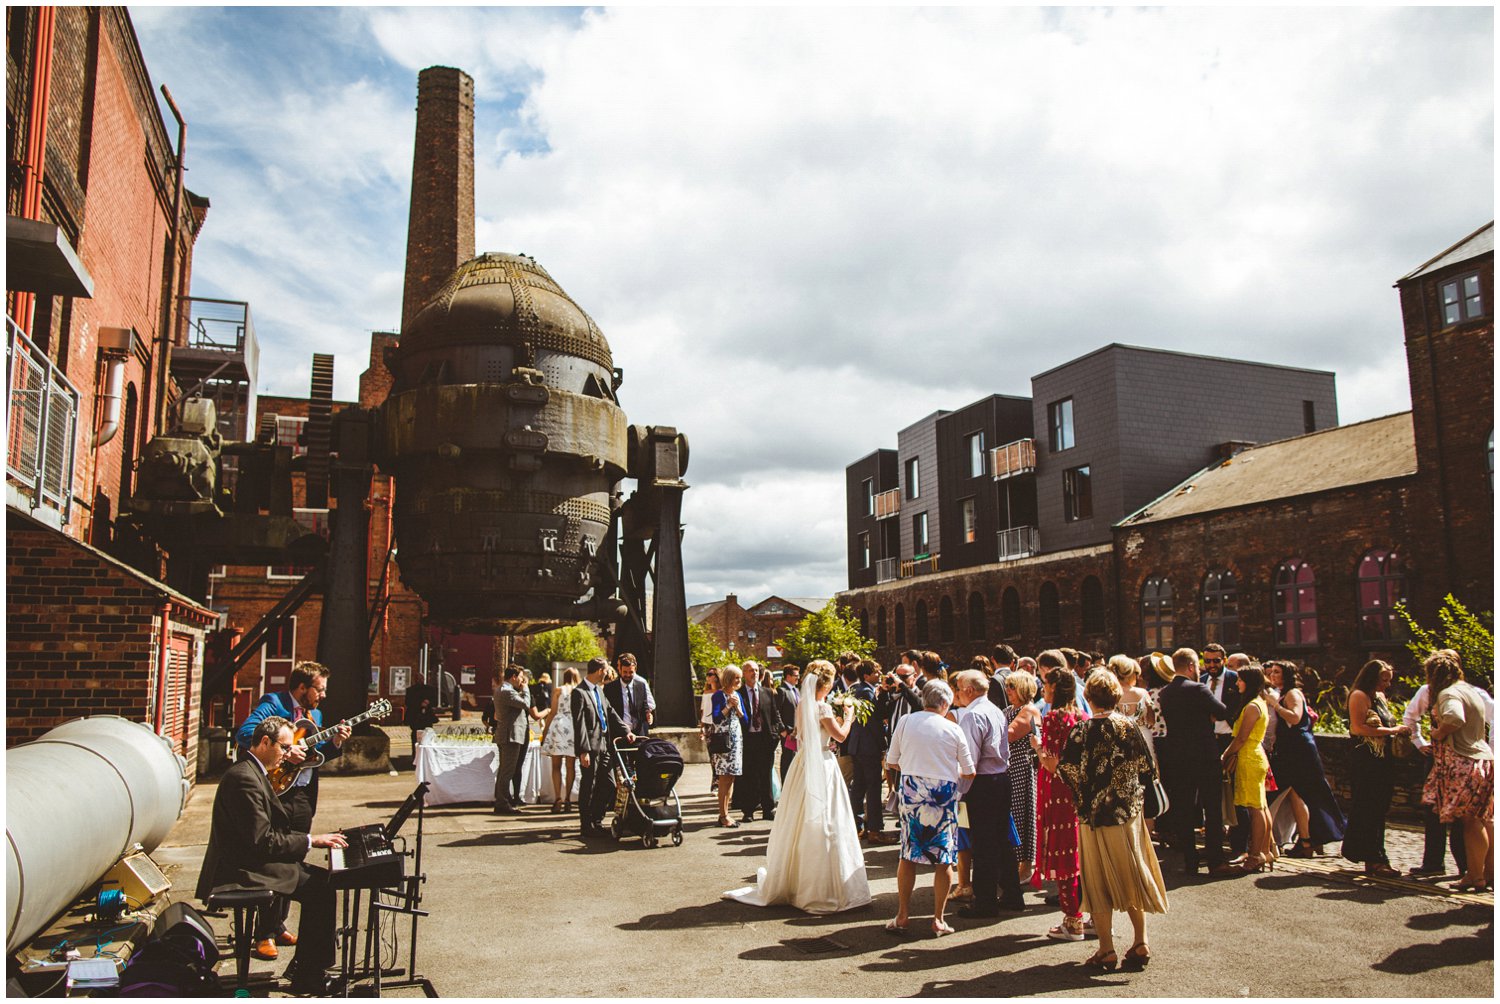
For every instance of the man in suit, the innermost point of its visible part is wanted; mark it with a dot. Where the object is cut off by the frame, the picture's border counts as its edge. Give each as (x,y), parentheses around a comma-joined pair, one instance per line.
(252,845)
(631,697)
(307,684)
(997,884)
(788,696)
(1005,664)
(1221,674)
(753,790)
(1189,758)
(866,749)
(595,723)
(898,697)
(512,733)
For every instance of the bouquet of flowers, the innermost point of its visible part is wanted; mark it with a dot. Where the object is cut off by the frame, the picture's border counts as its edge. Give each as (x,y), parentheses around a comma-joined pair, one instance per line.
(863,709)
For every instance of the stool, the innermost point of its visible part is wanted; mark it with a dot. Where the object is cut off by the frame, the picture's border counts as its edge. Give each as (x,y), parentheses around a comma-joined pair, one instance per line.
(241,901)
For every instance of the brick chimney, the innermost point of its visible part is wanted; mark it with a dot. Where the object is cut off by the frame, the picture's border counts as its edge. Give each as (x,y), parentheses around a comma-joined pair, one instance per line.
(440,229)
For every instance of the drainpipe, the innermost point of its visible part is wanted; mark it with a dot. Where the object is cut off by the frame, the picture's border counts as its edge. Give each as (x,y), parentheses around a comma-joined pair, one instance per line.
(113,396)
(162,663)
(164,336)
(33,165)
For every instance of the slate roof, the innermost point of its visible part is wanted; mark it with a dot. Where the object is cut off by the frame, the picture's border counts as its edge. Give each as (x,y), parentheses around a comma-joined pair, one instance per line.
(700,612)
(1360,453)
(1472,246)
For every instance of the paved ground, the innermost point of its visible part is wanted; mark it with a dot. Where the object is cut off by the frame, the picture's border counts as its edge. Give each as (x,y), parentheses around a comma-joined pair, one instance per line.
(524,907)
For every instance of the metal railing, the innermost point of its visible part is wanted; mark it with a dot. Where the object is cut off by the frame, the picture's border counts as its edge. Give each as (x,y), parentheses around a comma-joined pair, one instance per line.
(888,504)
(222,325)
(1013,458)
(887,569)
(925,565)
(1020,542)
(42,409)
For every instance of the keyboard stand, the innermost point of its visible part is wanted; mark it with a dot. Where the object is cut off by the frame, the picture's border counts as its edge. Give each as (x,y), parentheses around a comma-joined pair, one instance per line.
(408,900)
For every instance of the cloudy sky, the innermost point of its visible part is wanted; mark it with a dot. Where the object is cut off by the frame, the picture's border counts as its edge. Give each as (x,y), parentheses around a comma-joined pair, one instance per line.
(802,230)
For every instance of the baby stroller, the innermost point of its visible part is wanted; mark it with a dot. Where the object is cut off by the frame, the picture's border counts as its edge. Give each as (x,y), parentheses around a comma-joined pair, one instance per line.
(646,803)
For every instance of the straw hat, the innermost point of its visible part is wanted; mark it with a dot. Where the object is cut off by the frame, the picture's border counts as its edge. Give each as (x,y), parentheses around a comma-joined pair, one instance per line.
(1161,665)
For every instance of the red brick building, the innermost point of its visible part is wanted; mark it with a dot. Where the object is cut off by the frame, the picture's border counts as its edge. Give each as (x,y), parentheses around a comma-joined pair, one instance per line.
(757,631)
(99,243)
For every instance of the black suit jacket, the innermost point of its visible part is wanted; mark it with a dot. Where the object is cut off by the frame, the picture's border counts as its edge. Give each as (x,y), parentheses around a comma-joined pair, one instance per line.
(765,708)
(867,739)
(1190,710)
(1232,699)
(251,844)
(588,736)
(614,693)
(786,705)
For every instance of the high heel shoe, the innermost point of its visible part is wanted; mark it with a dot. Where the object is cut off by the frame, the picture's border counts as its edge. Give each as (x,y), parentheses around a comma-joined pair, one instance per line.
(556,808)
(1103,961)
(1304,849)
(1137,957)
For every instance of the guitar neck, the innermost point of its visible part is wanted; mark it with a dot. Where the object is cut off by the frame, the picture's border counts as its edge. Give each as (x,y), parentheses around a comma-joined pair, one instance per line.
(313,740)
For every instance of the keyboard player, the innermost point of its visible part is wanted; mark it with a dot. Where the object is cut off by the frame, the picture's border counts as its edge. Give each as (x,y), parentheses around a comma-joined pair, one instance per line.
(252,845)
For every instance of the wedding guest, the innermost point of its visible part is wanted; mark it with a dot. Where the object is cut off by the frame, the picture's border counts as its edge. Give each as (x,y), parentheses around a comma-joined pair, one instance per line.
(1437,835)
(787,699)
(706,715)
(1462,783)
(729,722)
(1104,761)
(1023,720)
(763,731)
(864,744)
(1372,767)
(996,881)
(1299,768)
(930,755)
(557,741)
(1004,659)
(1246,757)
(1056,815)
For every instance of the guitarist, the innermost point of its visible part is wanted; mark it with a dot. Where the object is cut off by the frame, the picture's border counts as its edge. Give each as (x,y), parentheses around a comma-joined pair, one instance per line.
(306,687)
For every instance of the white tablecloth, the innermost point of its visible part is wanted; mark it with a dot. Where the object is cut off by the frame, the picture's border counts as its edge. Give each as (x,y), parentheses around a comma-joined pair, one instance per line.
(465,772)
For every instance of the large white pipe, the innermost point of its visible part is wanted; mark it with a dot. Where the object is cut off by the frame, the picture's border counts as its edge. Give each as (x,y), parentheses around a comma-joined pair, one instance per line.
(76,800)
(113,396)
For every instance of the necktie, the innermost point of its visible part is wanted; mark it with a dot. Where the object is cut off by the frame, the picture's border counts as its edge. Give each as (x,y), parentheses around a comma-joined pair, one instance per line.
(599,703)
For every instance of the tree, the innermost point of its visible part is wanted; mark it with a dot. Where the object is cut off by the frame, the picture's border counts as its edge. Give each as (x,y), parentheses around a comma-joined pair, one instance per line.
(564,644)
(704,652)
(823,635)
(1472,636)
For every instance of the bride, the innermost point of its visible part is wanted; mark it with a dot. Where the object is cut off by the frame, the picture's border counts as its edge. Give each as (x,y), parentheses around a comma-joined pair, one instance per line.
(813,860)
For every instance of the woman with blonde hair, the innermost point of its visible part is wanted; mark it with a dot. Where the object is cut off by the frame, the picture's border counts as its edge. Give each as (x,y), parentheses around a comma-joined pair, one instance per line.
(1023,721)
(813,859)
(557,741)
(728,733)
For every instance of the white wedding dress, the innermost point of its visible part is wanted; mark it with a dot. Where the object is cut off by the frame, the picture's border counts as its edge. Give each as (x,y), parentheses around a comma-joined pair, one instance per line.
(813,861)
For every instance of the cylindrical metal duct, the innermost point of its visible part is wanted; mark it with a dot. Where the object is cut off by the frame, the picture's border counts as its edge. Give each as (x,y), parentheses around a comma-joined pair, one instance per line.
(76,800)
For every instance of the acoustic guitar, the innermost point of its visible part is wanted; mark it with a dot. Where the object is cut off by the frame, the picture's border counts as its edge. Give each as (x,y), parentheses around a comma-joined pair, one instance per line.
(305,735)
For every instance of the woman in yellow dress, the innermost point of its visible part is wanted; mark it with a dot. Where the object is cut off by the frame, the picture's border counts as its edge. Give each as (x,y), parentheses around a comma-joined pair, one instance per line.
(1247,757)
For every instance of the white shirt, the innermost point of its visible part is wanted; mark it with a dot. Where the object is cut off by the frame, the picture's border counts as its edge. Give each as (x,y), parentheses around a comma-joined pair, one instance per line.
(1217,687)
(927,745)
(1419,705)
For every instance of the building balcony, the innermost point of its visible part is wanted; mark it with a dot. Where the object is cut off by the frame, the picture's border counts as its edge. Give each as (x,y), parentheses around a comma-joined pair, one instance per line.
(925,565)
(1019,542)
(220,360)
(1013,458)
(42,406)
(888,504)
(887,570)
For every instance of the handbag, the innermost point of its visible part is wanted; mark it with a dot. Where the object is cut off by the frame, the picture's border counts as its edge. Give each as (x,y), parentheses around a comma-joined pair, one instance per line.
(718,742)
(1156,801)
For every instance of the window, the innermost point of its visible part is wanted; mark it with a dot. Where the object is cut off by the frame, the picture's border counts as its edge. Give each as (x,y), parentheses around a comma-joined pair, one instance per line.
(919,534)
(1381,587)
(1156,614)
(1309,416)
(880,627)
(900,624)
(1060,424)
(868,489)
(1462,299)
(976,617)
(289,429)
(971,526)
(1092,597)
(1048,613)
(913,484)
(1295,604)
(975,443)
(278,654)
(921,625)
(945,619)
(864,623)
(864,550)
(1010,613)
(1221,609)
(1078,494)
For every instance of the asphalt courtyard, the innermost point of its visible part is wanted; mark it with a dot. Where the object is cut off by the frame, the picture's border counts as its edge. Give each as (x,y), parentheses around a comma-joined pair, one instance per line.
(522,906)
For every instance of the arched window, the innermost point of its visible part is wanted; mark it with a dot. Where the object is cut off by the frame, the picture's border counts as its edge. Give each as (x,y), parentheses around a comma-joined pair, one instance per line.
(976,617)
(1295,604)
(900,624)
(921,625)
(864,623)
(1381,586)
(945,619)
(880,627)
(1092,598)
(1047,613)
(1156,614)
(127,449)
(1010,613)
(1221,607)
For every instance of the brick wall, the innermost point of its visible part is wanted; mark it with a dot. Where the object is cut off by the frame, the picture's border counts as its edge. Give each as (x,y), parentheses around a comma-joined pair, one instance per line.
(440,229)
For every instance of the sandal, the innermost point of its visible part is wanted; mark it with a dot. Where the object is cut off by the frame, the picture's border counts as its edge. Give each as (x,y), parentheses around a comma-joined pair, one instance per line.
(1102,960)
(1303,849)
(556,808)
(1065,932)
(899,930)
(1137,957)
(964,894)
(728,824)
(940,928)
(1383,870)
(1464,885)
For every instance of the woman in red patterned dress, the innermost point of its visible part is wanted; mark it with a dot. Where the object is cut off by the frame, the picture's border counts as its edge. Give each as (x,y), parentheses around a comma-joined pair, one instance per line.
(1056,815)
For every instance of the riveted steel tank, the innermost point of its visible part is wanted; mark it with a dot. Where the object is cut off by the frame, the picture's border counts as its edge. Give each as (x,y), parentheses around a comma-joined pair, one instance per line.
(506,442)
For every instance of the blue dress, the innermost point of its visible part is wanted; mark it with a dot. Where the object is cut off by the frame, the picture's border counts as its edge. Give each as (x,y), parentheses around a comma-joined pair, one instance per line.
(1297,765)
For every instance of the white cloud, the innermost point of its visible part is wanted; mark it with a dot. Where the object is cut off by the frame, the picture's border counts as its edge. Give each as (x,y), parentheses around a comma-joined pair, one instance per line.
(803,229)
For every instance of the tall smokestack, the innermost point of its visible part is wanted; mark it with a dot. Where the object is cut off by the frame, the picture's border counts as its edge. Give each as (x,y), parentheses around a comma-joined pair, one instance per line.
(440,229)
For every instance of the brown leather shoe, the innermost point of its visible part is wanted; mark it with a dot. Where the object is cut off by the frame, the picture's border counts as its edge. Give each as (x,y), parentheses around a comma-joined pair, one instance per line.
(286,938)
(265,948)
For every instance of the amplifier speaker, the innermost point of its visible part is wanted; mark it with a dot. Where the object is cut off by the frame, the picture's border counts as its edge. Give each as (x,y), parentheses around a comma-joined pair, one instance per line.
(138,878)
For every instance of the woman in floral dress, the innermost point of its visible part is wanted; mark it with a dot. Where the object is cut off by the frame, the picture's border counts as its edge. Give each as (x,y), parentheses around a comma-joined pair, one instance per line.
(1056,815)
